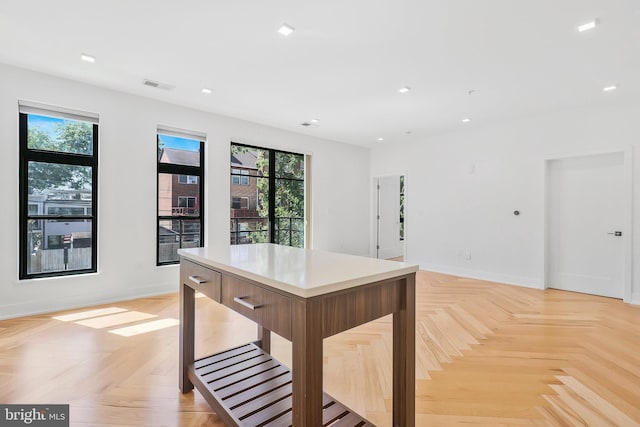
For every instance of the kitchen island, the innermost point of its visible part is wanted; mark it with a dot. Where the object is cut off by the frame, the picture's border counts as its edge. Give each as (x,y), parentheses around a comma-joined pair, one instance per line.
(304,296)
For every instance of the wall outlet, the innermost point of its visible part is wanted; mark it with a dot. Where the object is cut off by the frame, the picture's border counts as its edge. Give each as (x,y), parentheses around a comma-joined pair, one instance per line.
(467,255)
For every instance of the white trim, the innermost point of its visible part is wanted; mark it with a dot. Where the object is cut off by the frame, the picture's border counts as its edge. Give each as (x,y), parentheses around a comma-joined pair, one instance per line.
(44,306)
(373,224)
(308,211)
(571,155)
(508,279)
(373,239)
(181,133)
(628,223)
(30,107)
(628,214)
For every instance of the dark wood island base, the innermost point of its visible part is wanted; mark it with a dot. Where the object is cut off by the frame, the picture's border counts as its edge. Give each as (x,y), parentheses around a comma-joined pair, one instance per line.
(246,386)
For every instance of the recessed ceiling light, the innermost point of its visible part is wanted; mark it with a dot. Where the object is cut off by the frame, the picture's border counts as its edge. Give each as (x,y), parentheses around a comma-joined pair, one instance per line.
(408,132)
(314,120)
(88,58)
(207,91)
(404,89)
(588,26)
(610,88)
(466,120)
(286,29)
(380,139)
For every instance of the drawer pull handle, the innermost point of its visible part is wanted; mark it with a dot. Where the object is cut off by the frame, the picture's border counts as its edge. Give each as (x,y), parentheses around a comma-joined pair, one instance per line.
(241,301)
(197,280)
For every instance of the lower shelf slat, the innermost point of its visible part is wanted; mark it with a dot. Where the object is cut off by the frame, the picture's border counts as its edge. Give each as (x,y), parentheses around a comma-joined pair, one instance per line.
(261,395)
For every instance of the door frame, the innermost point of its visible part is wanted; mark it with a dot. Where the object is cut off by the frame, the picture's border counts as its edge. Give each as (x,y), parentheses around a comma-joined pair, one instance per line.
(373,240)
(627,214)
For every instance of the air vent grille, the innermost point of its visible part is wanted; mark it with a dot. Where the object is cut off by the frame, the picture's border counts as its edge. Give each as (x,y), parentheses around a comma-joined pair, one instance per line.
(157,85)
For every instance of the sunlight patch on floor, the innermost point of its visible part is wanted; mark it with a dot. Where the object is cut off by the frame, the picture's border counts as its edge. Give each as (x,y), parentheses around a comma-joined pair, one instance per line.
(115,319)
(88,314)
(115,316)
(145,327)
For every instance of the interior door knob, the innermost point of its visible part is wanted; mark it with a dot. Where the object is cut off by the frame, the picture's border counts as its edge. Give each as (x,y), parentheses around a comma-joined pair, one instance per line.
(616,233)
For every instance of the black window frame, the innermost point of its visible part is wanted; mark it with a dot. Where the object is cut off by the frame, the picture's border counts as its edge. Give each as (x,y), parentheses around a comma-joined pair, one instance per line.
(178,169)
(272,178)
(55,157)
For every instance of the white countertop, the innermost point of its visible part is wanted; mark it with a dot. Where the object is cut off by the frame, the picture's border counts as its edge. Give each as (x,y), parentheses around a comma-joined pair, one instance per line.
(302,272)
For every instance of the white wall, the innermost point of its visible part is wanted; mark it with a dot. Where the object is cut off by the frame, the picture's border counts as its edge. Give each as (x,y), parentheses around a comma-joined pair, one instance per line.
(463,187)
(127,190)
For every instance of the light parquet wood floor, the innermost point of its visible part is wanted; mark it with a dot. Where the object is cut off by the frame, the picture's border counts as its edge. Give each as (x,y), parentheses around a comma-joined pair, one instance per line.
(486,355)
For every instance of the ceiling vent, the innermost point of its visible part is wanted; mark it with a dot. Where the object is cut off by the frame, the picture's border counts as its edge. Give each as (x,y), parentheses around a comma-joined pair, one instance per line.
(157,85)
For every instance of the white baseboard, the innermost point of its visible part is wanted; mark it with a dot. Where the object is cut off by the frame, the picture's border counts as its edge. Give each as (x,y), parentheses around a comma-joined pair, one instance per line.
(635,298)
(41,307)
(527,282)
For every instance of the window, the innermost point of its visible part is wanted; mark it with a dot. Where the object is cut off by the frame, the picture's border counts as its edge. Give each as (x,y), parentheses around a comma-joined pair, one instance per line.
(239,177)
(58,191)
(235,176)
(187,179)
(180,206)
(68,210)
(187,202)
(240,202)
(56,242)
(275,197)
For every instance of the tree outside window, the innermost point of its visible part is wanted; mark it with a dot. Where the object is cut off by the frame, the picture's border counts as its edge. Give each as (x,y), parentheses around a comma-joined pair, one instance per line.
(277,214)
(58,195)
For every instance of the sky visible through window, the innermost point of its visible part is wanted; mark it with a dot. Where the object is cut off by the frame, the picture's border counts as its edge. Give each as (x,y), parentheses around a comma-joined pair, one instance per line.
(58,135)
(49,125)
(179,143)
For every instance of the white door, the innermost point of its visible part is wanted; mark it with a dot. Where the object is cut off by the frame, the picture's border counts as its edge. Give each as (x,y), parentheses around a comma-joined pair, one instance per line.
(586,209)
(389,217)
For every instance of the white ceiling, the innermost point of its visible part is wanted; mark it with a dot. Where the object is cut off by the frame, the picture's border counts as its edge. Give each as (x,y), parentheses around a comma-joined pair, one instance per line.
(346,60)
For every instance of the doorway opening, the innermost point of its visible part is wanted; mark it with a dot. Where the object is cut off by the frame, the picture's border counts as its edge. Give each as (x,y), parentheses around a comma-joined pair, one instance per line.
(390,231)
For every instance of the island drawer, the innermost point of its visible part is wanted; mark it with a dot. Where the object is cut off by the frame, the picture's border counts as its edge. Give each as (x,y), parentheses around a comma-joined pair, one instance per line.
(200,278)
(268,309)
